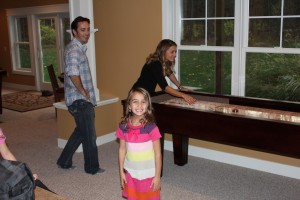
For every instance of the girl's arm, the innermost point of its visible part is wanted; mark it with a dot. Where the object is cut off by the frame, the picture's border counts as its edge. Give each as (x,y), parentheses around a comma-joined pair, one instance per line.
(6,153)
(122,154)
(158,165)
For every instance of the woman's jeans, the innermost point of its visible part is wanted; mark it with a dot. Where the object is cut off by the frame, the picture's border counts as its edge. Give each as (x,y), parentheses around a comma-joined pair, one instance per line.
(85,134)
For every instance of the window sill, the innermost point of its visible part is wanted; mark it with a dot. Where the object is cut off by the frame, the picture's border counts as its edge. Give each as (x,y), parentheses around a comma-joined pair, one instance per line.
(23,72)
(102,102)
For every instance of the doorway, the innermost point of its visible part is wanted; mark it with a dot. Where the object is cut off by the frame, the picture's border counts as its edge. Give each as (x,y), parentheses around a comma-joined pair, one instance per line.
(52,39)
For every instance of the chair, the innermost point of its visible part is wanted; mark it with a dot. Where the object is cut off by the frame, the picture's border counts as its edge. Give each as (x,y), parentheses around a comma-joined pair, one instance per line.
(58,92)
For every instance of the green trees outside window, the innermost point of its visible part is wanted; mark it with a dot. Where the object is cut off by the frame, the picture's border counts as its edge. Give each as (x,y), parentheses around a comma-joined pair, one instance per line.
(265,47)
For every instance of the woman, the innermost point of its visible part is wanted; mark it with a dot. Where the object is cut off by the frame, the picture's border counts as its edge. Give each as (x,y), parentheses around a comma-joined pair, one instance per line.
(158,65)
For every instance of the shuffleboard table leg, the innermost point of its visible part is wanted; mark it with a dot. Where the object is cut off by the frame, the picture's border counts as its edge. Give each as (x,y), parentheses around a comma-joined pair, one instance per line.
(180,149)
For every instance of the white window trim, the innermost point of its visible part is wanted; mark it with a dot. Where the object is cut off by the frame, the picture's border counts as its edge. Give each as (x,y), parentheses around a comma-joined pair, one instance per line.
(13,49)
(171,25)
(30,13)
(245,49)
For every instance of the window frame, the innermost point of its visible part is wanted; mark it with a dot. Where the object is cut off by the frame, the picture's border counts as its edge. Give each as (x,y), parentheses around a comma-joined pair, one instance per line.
(13,30)
(30,13)
(171,29)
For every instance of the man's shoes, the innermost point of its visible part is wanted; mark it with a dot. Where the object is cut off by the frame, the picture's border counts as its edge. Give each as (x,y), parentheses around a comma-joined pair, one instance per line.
(66,167)
(98,172)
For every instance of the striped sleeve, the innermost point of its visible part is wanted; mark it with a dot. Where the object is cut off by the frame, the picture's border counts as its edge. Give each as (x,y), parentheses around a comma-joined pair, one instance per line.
(155,134)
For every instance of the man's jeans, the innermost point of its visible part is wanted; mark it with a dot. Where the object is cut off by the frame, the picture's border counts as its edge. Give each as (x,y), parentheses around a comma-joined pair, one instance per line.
(85,134)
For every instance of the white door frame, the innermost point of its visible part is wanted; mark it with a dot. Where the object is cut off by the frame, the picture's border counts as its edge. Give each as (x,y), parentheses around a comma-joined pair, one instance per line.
(39,12)
(39,66)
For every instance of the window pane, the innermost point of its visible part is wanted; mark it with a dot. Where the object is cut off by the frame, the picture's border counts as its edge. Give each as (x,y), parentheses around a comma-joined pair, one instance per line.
(48,44)
(193,32)
(264,33)
(24,56)
(199,69)
(48,37)
(220,32)
(22,29)
(273,76)
(291,7)
(265,7)
(193,8)
(291,30)
(220,8)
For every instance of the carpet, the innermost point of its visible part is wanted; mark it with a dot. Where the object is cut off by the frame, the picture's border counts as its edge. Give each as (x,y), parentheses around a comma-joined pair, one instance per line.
(26,101)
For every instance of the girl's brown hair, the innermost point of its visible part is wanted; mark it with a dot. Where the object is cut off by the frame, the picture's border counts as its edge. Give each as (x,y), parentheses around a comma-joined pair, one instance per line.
(148,116)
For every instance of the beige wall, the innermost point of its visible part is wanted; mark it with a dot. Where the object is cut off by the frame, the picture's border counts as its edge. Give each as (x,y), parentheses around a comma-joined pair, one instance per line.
(128,32)
(105,121)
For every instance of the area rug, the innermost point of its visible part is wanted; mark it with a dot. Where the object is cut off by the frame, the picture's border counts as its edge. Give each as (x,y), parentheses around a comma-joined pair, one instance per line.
(26,100)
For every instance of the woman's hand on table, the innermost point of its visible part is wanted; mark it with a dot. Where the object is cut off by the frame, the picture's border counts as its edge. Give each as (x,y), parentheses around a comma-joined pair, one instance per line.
(189,99)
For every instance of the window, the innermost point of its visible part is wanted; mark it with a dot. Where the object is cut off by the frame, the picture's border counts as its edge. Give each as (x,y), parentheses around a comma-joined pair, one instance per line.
(239,47)
(24,34)
(21,44)
(272,56)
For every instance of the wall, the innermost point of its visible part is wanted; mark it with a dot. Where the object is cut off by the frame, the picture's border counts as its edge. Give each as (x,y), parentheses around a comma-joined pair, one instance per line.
(4,39)
(128,32)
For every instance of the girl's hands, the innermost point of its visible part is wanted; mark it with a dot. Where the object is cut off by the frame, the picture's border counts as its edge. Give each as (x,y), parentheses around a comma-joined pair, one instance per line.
(155,184)
(122,179)
(35,176)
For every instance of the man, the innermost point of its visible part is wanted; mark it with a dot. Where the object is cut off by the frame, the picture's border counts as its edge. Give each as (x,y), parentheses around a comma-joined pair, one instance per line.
(80,100)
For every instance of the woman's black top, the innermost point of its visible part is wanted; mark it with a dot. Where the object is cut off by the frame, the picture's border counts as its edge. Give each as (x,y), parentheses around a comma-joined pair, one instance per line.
(151,75)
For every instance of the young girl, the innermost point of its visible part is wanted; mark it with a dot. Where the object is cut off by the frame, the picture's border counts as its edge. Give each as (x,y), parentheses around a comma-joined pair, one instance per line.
(140,159)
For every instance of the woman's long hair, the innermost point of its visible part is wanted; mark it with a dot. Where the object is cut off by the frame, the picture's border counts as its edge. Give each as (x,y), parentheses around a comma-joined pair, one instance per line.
(148,116)
(159,55)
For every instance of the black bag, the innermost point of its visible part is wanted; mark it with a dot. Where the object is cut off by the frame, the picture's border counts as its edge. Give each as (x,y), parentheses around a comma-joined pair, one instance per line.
(16,181)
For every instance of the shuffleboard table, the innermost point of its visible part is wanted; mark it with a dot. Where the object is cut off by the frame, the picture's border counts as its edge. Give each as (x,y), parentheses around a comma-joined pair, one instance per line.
(256,124)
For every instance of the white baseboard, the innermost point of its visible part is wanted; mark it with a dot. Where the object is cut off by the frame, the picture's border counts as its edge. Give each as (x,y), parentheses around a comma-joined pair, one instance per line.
(228,158)
(100,141)
(241,161)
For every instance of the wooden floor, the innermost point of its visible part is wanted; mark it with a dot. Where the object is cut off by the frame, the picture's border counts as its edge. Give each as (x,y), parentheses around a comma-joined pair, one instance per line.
(41,194)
